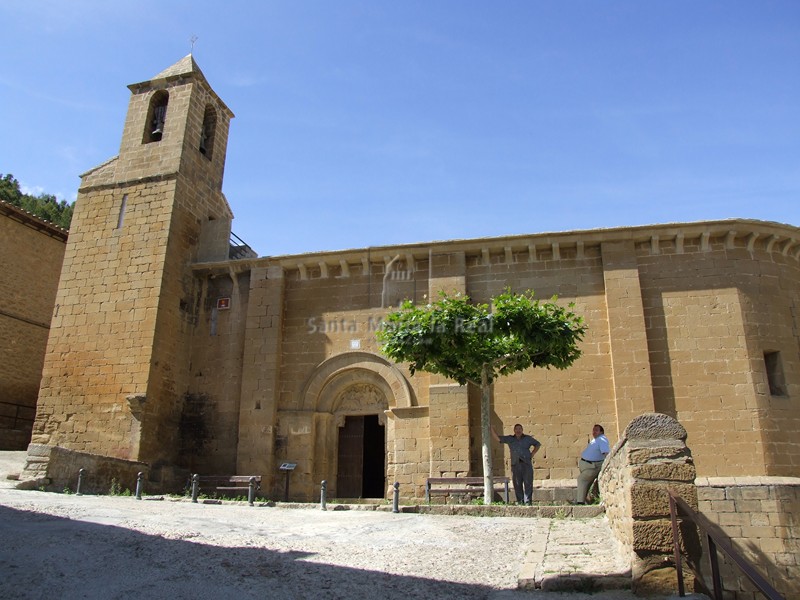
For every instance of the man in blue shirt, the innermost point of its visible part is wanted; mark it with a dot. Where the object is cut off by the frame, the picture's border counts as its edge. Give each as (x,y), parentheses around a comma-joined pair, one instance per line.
(521,461)
(591,462)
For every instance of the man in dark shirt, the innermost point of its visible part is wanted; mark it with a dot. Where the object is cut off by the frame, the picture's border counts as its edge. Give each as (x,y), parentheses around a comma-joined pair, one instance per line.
(521,461)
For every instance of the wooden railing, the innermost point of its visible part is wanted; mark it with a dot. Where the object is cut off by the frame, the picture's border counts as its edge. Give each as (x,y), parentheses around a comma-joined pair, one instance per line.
(717,540)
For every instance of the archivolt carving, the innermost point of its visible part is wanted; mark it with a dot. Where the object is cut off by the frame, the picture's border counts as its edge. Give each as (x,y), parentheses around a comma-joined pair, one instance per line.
(339,373)
(361,399)
(358,398)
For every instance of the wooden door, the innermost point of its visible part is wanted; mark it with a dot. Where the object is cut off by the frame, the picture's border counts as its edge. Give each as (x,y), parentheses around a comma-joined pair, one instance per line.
(349,477)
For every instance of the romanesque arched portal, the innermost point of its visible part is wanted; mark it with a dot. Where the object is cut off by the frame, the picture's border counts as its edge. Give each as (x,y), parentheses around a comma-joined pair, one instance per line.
(349,395)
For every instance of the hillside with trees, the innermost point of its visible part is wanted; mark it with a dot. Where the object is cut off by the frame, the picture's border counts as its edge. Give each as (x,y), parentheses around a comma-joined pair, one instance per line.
(44,206)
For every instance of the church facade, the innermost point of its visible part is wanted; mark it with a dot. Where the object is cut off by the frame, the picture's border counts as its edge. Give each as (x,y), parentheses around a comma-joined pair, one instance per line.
(167,353)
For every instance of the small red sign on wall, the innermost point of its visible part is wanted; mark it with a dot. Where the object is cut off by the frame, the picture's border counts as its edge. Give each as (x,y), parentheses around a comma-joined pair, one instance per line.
(223,303)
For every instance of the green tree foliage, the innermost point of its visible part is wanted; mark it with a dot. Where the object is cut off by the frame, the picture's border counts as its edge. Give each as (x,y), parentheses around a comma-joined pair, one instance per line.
(476,343)
(44,206)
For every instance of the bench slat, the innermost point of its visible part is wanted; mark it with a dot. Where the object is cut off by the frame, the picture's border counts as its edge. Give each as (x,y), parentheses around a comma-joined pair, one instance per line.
(476,482)
(236,484)
(466,480)
(228,477)
(446,491)
(212,479)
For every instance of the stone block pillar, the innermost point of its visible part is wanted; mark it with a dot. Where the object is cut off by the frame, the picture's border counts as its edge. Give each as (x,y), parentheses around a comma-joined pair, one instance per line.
(630,359)
(449,430)
(449,403)
(408,450)
(650,457)
(260,373)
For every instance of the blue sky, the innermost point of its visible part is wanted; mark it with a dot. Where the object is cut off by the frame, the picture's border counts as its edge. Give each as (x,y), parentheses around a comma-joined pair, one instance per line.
(363,123)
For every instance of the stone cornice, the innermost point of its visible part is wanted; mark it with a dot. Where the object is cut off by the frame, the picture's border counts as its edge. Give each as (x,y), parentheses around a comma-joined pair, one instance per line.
(674,238)
(128,182)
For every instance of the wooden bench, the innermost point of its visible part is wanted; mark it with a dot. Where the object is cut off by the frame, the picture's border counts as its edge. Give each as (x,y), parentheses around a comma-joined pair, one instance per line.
(227,485)
(469,485)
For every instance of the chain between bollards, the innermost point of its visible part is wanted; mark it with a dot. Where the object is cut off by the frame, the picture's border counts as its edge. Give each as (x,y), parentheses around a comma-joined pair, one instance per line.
(323,495)
(80,480)
(396,500)
(139,478)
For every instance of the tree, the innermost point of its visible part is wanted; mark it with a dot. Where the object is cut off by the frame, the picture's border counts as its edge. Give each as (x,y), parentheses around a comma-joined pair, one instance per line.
(476,343)
(44,206)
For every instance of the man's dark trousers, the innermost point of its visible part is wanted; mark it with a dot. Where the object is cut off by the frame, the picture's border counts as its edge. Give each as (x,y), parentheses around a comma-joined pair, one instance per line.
(522,478)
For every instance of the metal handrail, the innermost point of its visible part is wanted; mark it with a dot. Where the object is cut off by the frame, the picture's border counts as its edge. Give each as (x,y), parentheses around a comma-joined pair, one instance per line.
(238,247)
(717,540)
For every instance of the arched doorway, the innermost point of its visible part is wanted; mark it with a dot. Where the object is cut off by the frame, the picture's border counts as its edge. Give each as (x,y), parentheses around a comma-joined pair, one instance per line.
(361,448)
(343,390)
(361,463)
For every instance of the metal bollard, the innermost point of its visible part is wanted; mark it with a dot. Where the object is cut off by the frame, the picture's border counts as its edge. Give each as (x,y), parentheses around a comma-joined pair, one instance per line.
(80,480)
(139,485)
(251,491)
(323,495)
(396,500)
(195,487)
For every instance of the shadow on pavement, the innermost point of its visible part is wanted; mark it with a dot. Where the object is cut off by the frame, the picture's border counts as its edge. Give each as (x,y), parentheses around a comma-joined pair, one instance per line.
(44,556)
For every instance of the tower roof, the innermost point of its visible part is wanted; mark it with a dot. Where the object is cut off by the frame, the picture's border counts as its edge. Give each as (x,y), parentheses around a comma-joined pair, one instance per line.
(184,68)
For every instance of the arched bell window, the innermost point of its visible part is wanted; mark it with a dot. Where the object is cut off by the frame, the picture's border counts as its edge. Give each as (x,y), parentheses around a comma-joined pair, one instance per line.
(208,131)
(156,117)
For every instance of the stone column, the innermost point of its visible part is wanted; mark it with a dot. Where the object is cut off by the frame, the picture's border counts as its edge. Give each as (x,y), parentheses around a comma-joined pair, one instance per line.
(650,457)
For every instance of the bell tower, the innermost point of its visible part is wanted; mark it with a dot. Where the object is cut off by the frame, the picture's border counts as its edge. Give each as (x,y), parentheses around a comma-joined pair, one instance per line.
(175,124)
(118,355)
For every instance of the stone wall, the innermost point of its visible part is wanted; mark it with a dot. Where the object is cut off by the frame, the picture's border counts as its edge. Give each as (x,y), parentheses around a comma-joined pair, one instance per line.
(31,253)
(759,514)
(680,320)
(650,457)
(55,469)
(714,307)
(762,517)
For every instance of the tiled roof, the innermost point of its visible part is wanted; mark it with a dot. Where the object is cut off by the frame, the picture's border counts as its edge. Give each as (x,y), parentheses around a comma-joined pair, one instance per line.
(31,220)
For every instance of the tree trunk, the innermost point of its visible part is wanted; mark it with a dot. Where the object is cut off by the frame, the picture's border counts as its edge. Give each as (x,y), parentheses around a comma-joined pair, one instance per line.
(486,436)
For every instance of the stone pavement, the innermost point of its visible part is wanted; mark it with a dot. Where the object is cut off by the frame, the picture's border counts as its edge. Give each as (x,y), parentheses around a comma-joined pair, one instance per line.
(570,552)
(574,551)
(576,555)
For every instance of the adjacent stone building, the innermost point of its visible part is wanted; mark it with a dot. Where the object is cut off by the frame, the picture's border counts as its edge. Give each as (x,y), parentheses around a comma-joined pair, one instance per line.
(31,252)
(166,351)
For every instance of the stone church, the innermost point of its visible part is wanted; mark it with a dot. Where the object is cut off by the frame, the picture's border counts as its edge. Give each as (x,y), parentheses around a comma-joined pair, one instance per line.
(172,351)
